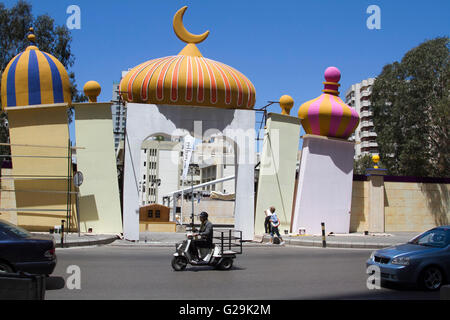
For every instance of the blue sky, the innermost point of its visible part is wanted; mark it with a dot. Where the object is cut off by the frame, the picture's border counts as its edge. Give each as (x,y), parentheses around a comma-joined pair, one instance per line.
(282,46)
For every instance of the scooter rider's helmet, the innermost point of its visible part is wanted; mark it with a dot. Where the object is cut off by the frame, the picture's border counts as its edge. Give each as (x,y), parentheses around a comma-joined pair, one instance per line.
(204,214)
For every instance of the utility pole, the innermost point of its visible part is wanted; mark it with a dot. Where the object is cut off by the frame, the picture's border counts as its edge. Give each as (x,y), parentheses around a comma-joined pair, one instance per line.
(192,196)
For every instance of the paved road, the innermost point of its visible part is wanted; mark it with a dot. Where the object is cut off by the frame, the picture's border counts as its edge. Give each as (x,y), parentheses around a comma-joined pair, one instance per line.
(260,273)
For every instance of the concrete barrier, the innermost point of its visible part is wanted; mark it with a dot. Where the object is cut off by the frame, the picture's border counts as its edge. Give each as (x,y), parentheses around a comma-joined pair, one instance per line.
(445,292)
(22,286)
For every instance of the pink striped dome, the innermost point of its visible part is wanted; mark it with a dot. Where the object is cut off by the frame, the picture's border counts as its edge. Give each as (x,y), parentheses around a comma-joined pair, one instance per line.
(327,115)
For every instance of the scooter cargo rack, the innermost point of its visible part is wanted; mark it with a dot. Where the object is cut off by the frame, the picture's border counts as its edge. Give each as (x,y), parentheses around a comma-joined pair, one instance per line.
(229,241)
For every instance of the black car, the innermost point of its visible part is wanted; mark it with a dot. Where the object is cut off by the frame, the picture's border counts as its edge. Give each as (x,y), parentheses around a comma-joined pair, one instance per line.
(21,251)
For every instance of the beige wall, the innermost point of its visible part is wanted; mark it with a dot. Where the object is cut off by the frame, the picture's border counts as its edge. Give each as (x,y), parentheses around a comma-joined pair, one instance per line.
(157,226)
(7,198)
(99,194)
(360,207)
(276,181)
(408,206)
(416,206)
(219,211)
(41,184)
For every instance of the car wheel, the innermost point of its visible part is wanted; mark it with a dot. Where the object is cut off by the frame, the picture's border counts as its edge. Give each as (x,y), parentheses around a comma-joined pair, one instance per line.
(5,268)
(226,264)
(179,263)
(431,279)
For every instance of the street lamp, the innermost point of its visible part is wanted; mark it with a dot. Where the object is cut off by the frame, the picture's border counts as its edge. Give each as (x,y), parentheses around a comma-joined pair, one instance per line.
(191,169)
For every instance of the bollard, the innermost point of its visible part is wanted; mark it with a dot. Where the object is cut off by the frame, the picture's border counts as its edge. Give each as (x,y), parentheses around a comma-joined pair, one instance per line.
(445,292)
(22,286)
(62,233)
(324,241)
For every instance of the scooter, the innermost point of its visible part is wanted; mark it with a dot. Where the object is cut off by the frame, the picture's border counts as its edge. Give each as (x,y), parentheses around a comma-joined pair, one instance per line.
(220,254)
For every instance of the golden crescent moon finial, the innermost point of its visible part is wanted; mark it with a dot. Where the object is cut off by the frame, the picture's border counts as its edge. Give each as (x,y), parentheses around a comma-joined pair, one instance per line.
(181,31)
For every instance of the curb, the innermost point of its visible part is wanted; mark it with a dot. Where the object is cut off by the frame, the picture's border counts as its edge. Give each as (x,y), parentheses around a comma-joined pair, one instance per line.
(255,243)
(169,244)
(87,243)
(332,244)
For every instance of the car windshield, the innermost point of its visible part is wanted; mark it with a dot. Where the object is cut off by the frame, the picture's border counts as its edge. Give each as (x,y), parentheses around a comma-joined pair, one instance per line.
(15,230)
(436,238)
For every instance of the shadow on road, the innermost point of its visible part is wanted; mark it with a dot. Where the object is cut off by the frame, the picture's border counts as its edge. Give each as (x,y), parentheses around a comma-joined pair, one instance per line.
(388,291)
(54,283)
(211,269)
(399,287)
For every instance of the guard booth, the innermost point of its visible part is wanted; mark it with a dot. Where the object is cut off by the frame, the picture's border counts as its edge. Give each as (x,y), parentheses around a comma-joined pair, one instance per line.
(155,218)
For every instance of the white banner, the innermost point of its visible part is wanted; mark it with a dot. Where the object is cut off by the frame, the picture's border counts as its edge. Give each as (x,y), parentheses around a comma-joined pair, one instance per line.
(188,147)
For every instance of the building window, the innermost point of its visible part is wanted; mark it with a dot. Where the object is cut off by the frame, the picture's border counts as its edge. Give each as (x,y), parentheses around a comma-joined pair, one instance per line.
(150,213)
(158,214)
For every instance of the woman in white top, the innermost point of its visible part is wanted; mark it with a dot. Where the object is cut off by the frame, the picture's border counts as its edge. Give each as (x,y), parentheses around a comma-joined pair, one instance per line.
(267,226)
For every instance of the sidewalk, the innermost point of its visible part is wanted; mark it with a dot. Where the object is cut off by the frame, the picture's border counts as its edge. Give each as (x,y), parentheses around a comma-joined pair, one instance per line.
(85,239)
(168,239)
(353,240)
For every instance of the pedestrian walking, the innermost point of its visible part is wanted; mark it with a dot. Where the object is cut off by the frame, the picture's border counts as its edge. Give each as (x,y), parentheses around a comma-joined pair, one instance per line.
(268,213)
(275,223)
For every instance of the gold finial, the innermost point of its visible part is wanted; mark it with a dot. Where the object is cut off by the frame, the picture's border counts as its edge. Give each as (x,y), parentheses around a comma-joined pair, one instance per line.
(92,90)
(286,104)
(186,36)
(31,37)
(375,159)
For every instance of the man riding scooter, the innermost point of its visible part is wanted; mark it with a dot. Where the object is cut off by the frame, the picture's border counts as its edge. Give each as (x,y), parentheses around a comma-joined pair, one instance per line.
(219,255)
(206,236)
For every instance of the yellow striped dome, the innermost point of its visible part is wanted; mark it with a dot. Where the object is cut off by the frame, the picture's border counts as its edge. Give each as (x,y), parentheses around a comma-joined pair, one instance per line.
(34,77)
(188,79)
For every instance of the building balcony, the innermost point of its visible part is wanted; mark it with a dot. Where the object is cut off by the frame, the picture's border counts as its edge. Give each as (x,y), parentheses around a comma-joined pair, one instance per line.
(369,144)
(368,134)
(366,114)
(366,93)
(350,99)
(365,103)
(366,123)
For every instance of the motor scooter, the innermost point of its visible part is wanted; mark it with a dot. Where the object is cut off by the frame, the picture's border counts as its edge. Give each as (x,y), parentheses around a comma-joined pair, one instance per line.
(220,255)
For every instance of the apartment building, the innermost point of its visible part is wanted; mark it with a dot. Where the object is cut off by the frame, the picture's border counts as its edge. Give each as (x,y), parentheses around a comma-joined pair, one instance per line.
(118,114)
(161,167)
(358,97)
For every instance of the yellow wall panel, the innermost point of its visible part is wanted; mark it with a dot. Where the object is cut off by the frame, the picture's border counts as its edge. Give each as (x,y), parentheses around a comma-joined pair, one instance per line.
(99,193)
(39,138)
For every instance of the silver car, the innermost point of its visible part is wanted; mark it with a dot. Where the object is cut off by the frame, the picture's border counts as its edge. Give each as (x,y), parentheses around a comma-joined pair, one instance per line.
(425,260)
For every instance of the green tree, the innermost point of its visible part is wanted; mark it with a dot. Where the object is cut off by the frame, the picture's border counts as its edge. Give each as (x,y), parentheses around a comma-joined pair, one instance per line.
(364,162)
(410,103)
(14,27)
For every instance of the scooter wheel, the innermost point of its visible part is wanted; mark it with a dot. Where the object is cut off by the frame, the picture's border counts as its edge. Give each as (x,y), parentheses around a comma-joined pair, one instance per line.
(179,263)
(225,264)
